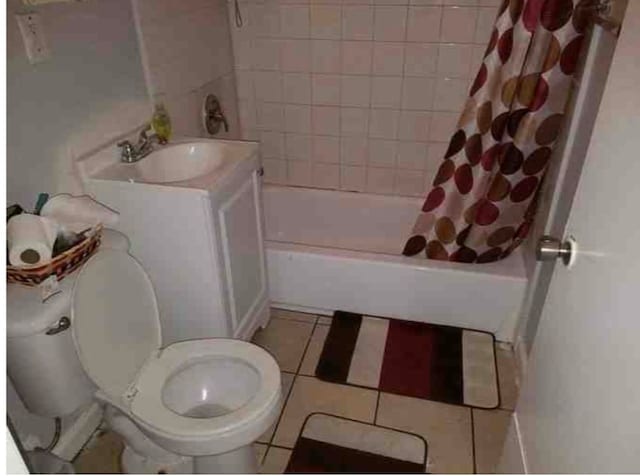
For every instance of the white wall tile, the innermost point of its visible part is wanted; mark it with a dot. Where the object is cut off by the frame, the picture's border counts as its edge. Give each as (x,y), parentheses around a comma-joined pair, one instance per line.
(325,56)
(458,24)
(357,22)
(266,54)
(383,123)
(356,57)
(264,18)
(442,126)
(424,24)
(412,155)
(390,23)
(356,91)
(484,25)
(354,150)
(297,146)
(388,58)
(454,60)
(386,91)
(294,21)
(299,173)
(420,59)
(270,116)
(272,144)
(325,89)
(417,93)
(435,154)
(275,171)
(450,94)
(354,121)
(326,149)
(353,179)
(380,180)
(268,85)
(382,153)
(297,88)
(326,176)
(414,125)
(297,118)
(296,55)
(326,21)
(409,182)
(326,120)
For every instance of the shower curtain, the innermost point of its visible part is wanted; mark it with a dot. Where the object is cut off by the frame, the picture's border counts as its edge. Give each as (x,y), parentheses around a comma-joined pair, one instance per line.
(483,197)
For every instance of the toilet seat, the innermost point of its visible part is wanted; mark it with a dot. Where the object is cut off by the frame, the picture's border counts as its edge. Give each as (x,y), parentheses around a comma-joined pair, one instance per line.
(147,404)
(116,330)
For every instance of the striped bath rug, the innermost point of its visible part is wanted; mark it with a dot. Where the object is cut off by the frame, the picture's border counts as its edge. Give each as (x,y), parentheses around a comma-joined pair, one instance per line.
(331,444)
(441,363)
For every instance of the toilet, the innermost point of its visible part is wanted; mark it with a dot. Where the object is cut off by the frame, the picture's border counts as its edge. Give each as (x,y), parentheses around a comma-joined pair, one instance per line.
(193,406)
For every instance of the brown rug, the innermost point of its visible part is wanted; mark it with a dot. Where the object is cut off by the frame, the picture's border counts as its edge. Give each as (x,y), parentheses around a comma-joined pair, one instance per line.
(441,363)
(331,444)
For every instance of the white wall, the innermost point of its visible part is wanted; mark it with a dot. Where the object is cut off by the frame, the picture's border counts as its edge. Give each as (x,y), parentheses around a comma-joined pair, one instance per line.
(186,52)
(357,95)
(91,90)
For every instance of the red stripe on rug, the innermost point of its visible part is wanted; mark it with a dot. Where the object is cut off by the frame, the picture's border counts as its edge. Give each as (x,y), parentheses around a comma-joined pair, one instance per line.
(408,353)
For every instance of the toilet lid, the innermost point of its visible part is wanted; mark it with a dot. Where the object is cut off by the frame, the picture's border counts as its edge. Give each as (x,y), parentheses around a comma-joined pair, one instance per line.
(115,320)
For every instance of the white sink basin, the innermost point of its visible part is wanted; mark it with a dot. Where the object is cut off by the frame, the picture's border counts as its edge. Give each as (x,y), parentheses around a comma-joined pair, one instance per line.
(178,162)
(192,163)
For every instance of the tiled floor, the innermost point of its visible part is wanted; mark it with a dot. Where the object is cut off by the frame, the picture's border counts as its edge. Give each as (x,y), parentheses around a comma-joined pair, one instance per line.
(460,439)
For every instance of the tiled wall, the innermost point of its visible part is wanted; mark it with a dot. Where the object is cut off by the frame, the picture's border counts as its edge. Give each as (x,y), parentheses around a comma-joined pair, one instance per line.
(356,95)
(187,54)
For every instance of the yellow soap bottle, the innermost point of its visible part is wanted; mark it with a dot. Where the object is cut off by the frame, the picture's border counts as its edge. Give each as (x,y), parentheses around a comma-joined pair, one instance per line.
(161,122)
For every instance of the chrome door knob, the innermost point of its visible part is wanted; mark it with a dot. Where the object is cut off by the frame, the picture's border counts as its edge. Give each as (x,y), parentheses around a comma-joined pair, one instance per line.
(550,248)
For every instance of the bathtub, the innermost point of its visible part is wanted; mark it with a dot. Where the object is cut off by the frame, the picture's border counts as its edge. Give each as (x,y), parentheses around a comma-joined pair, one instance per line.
(329,250)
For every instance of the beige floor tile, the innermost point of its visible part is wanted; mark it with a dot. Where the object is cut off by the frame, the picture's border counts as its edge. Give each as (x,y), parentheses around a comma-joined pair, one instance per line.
(287,382)
(293,315)
(276,461)
(447,429)
(101,455)
(286,340)
(311,395)
(489,432)
(507,378)
(325,320)
(312,355)
(261,450)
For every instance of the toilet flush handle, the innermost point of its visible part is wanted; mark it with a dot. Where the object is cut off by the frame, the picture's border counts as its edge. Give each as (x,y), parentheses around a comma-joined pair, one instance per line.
(62,325)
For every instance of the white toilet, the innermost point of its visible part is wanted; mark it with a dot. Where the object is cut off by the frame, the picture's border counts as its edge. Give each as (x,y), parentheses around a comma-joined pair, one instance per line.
(196,405)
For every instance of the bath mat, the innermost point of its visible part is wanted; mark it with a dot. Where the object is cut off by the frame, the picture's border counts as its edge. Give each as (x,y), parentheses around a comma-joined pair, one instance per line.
(433,362)
(331,444)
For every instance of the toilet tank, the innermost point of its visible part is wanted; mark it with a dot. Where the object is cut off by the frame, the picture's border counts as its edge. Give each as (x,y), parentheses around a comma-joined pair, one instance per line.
(42,361)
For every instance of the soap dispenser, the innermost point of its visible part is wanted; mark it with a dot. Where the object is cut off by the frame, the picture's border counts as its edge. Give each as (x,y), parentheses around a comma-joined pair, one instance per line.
(161,122)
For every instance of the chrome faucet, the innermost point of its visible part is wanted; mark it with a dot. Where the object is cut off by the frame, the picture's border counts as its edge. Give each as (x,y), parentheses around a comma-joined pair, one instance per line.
(131,153)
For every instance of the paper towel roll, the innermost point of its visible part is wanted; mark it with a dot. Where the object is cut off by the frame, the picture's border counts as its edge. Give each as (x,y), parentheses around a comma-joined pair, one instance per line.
(78,213)
(30,239)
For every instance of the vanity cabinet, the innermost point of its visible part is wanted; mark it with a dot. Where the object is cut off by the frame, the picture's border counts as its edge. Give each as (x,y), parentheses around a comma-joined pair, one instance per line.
(201,244)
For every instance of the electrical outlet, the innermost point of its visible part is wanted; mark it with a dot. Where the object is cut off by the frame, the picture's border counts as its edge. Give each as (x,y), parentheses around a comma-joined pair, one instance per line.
(32,32)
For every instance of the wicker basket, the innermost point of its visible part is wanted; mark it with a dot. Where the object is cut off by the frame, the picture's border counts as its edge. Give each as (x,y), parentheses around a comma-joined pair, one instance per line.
(62,265)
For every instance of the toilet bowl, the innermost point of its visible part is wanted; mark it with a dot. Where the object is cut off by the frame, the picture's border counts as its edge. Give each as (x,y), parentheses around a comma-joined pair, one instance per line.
(208,399)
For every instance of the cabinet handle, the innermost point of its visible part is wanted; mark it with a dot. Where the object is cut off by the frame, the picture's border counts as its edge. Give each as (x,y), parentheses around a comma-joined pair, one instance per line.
(63,324)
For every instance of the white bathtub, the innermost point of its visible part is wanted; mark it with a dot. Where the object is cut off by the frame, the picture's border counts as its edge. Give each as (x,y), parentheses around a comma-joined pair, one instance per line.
(330,250)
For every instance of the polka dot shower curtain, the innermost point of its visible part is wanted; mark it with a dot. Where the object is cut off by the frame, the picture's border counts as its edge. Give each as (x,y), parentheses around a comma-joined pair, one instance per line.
(483,197)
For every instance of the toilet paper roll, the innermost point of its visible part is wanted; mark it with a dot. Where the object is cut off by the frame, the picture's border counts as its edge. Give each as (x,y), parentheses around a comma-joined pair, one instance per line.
(78,213)
(30,239)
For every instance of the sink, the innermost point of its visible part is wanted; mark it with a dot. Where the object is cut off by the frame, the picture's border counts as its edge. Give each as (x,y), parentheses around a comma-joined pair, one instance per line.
(191,163)
(178,162)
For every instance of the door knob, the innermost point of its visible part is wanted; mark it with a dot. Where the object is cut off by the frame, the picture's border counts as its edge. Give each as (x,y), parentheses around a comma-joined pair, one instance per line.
(550,248)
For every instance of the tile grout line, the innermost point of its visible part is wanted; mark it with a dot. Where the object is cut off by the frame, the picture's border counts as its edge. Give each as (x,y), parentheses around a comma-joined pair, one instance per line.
(473,442)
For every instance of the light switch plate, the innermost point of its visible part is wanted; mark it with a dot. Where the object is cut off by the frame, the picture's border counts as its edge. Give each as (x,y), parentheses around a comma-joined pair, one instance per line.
(32,32)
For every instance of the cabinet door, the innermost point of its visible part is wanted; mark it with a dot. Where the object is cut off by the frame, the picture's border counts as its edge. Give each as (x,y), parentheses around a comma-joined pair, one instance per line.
(243,252)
